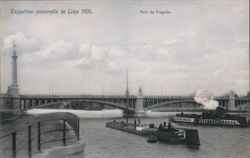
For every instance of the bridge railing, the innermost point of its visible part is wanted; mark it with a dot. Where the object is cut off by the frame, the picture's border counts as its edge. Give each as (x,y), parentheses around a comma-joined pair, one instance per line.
(97,96)
(113,96)
(73,96)
(18,147)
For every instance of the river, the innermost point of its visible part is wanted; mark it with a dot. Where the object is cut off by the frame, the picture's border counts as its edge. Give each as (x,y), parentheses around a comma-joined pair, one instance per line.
(216,142)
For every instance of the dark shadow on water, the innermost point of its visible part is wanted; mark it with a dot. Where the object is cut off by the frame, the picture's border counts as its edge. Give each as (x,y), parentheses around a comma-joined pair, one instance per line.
(181,146)
(193,147)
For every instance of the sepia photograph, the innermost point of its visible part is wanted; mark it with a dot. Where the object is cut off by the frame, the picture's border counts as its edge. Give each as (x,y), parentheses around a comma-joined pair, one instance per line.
(124,79)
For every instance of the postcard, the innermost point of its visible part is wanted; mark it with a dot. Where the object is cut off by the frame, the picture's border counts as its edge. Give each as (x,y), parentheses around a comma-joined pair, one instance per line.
(124,79)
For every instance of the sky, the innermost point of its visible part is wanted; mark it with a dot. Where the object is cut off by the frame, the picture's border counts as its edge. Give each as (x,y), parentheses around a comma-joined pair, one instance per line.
(194,45)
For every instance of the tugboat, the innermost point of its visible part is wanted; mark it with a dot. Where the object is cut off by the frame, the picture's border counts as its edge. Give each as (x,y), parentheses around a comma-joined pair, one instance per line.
(217,117)
(162,133)
(173,135)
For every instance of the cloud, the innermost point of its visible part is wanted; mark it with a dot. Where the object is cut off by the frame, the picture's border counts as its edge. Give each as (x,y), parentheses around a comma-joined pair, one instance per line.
(58,52)
(115,67)
(90,57)
(98,53)
(85,50)
(146,59)
(80,63)
(170,42)
(217,72)
(163,51)
(24,44)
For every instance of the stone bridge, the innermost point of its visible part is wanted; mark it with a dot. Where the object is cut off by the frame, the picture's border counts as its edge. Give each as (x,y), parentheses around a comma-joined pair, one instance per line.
(133,103)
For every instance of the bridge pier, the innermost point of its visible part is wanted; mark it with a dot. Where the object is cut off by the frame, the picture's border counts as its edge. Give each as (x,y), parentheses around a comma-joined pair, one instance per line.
(231,103)
(139,109)
(36,102)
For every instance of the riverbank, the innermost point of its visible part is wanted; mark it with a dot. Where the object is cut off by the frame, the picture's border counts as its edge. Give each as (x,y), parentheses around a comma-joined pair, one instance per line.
(48,123)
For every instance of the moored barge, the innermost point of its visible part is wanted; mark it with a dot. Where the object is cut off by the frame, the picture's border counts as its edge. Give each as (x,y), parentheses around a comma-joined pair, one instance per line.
(162,133)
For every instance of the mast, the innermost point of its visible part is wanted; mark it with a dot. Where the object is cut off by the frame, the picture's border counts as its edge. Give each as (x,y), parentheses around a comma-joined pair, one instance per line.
(127,95)
(127,91)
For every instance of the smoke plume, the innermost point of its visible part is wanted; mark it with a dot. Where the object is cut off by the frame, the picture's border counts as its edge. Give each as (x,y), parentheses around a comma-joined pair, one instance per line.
(206,99)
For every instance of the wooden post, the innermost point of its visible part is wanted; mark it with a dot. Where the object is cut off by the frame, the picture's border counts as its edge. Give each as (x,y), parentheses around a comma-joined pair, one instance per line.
(14,144)
(39,136)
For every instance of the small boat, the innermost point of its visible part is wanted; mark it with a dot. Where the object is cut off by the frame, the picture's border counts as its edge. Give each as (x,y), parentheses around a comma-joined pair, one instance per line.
(152,139)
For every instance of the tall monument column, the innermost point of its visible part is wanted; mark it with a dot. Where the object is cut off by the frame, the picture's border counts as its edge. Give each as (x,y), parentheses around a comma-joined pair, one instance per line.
(13,90)
(139,109)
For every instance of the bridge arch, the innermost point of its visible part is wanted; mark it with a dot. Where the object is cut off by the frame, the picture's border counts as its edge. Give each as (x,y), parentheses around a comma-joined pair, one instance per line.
(174,103)
(112,104)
